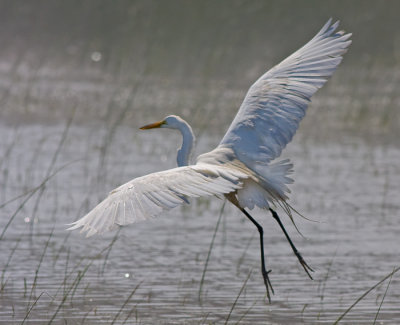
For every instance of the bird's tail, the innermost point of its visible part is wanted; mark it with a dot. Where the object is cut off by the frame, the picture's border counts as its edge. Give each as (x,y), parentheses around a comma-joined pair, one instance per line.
(275,178)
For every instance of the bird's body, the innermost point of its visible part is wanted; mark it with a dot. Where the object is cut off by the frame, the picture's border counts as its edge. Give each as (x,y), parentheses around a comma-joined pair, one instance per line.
(243,167)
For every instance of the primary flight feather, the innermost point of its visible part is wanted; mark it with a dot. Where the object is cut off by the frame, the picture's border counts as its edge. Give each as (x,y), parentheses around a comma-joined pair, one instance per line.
(242,167)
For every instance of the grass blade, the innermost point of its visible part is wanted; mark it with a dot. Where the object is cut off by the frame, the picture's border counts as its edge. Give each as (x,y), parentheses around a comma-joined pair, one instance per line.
(126,301)
(39,265)
(383,298)
(30,309)
(30,194)
(209,251)
(73,286)
(237,298)
(364,294)
(53,162)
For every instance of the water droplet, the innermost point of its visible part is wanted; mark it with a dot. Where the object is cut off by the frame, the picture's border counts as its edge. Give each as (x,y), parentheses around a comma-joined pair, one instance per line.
(127,275)
(96,56)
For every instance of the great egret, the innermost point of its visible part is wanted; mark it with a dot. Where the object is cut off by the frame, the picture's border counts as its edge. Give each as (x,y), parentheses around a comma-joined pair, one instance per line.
(241,167)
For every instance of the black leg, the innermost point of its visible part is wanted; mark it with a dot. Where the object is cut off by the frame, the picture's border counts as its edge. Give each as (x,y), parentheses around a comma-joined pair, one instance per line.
(264,271)
(296,252)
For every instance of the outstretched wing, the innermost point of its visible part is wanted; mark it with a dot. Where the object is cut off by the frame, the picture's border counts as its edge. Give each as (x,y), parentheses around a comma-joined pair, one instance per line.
(275,104)
(147,196)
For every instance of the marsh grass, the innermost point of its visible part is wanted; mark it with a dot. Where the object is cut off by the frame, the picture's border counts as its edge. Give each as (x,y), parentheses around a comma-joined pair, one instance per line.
(323,281)
(52,165)
(383,297)
(4,159)
(31,307)
(69,286)
(145,77)
(359,299)
(74,279)
(125,303)
(28,195)
(209,252)
(74,286)
(38,267)
(245,250)
(5,267)
(237,298)
(108,251)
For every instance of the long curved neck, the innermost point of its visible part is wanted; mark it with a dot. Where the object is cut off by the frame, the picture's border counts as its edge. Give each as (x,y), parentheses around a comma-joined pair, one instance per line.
(187,144)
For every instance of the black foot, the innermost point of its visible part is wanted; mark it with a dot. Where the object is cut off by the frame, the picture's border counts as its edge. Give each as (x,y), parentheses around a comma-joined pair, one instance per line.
(303,263)
(268,284)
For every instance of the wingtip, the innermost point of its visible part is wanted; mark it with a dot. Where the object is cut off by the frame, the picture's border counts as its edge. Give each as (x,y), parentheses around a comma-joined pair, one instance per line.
(76,225)
(72,226)
(90,233)
(85,229)
(329,22)
(333,27)
(328,27)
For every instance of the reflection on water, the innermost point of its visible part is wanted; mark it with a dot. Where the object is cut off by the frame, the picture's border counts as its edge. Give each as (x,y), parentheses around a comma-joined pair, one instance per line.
(152,271)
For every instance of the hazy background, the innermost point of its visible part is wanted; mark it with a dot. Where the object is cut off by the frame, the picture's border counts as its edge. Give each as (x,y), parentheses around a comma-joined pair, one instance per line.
(77,80)
(128,58)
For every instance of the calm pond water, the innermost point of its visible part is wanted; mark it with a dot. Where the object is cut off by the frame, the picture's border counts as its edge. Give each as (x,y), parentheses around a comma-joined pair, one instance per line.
(152,271)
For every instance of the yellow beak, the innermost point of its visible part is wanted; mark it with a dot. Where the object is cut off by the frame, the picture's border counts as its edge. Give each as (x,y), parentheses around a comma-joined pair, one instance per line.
(153,125)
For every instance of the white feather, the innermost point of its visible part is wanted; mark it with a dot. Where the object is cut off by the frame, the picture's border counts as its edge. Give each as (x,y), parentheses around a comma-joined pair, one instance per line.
(148,196)
(242,163)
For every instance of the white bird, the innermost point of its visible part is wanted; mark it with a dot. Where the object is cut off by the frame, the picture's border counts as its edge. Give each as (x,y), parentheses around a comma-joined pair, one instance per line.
(242,166)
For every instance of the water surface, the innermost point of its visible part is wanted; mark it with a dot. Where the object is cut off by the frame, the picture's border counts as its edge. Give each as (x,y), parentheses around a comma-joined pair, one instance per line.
(350,189)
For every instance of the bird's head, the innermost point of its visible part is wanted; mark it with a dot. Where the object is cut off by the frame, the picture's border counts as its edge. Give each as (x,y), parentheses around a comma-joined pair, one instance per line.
(169,122)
